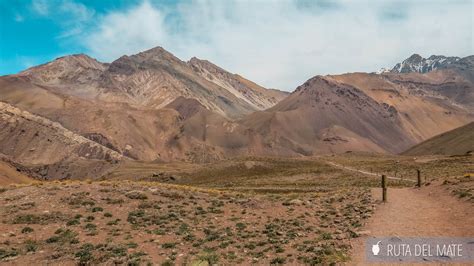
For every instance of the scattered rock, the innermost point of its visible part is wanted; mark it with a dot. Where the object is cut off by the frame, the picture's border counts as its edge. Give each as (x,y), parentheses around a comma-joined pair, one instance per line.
(296,202)
(136,195)
(363,233)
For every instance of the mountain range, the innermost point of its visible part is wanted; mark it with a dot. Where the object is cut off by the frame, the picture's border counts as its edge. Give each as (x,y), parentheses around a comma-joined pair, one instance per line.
(416,63)
(78,117)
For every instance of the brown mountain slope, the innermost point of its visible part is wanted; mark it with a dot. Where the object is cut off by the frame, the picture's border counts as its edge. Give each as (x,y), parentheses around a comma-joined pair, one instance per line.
(122,105)
(452,84)
(455,142)
(53,150)
(154,107)
(155,77)
(136,133)
(255,95)
(9,174)
(179,130)
(205,135)
(427,104)
(323,115)
(72,69)
(150,79)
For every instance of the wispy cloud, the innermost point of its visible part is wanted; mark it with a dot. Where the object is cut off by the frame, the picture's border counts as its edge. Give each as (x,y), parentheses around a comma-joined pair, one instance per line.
(72,16)
(282,43)
(134,30)
(77,11)
(41,7)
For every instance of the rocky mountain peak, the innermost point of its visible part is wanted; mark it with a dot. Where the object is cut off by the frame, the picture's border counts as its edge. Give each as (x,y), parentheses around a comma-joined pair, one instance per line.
(77,68)
(414,58)
(155,51)
(154,58)
(156,54)
(202,65)
(195,60)
(418,64)
(69,62)
(316,83)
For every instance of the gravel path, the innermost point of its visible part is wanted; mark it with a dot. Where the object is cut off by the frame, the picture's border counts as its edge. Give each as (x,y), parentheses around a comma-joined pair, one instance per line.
(416,212)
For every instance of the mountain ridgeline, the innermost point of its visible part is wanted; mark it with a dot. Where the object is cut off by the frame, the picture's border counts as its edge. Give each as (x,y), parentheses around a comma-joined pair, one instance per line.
(76,117)
(459,141)
(416,63)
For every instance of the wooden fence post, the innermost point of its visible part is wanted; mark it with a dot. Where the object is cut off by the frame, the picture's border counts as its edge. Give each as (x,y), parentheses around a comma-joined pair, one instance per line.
(384,188)
(418,176)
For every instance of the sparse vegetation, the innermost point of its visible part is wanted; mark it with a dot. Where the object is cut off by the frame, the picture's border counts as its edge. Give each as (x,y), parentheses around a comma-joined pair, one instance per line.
(255,217)
(136,195)
(26,230)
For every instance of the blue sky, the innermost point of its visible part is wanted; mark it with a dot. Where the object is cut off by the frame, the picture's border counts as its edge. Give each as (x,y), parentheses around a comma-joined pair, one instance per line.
(33,32)
(276,43)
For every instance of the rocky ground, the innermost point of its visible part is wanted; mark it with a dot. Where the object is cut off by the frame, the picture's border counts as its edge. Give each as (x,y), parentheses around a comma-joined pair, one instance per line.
(246,211)
(139,223)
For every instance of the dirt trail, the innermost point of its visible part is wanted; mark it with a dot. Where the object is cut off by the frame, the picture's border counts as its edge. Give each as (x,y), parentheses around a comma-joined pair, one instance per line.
(414,212)
(366,172)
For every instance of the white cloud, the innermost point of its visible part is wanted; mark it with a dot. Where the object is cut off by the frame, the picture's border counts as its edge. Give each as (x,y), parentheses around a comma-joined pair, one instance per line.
(77,11)
(283,43)
(41,7)
(74,17)
(70,15)
(135,30)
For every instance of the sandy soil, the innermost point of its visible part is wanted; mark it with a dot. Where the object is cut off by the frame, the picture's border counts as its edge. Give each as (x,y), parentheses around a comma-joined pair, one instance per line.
(411,212)
(133,223)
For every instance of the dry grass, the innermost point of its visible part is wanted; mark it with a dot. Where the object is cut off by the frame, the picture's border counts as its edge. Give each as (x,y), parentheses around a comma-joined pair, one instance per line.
(176,224)
(242,211)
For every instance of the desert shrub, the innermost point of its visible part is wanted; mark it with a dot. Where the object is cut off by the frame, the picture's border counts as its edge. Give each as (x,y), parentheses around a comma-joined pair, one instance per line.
(78,199)
(168,245)
(8,253)
(167,263)
(114,201)
(26,230)
(279,249)
(118,251)
(31,245)
(63,237)
(90,226)
(97,209)
(183,228)
(136,195)
(85,254)
(240,226)
(132,245)
(210,257)
(326,236)
(73,222)
(133,216)
(278,260)
(38,218)
(114,222)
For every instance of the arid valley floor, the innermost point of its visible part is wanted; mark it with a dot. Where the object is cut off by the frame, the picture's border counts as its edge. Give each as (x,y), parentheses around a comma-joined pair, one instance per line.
(240,211)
